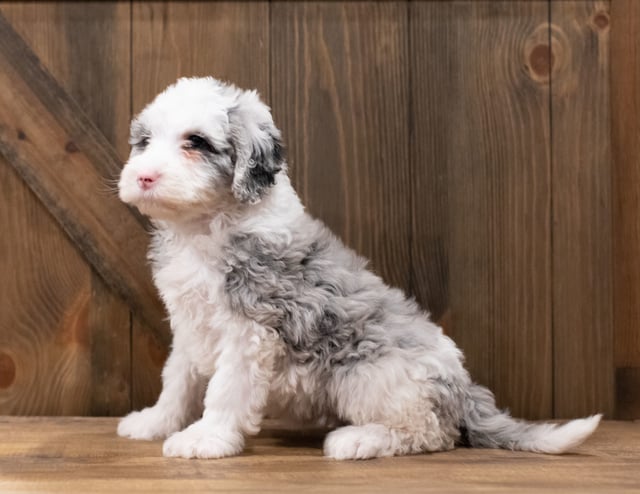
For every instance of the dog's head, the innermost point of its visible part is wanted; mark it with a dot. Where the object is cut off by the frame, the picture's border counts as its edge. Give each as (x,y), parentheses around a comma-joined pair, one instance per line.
(198,145)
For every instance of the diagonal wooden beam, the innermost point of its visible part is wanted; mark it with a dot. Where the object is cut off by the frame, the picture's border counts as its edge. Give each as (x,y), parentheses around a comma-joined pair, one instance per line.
(68,163)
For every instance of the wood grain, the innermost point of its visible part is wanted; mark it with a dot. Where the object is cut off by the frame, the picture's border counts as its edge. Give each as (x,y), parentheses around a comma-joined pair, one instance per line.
(340,95)
(148,357)
(581,176)
(49,140)
(110,325)
(94,35)
(84,455)
(481,189)
(434,67)
(226,40)
(493,177)
(44,304)
(625,129)
(85,46)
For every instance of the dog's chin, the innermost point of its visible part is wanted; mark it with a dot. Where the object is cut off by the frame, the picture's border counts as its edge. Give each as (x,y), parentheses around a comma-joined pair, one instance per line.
(158,207)
(158,210)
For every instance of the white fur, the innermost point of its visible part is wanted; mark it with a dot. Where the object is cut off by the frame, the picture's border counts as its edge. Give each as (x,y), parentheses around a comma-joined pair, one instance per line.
(225,371)
(558,439)
(210,343)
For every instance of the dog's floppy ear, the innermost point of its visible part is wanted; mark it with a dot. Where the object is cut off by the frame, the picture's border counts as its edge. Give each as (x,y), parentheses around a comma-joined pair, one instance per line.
(258,151)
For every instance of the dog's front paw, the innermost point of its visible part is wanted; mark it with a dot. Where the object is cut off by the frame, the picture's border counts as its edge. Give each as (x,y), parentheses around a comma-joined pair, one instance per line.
(202,440)
(147,424)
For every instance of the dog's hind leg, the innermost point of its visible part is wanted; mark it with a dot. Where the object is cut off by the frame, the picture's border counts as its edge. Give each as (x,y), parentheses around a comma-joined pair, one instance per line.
(392,408)
(360,442)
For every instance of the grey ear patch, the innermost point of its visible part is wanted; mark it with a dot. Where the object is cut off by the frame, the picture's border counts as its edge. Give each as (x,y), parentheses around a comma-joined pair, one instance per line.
(259,173)
(258,150)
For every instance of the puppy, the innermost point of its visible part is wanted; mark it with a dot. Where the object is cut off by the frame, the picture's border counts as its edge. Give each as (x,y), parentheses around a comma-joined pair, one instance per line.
(272,315)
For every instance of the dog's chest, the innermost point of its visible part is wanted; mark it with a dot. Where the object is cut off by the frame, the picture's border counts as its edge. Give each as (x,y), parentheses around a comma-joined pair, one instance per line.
(191,283)
(189,280)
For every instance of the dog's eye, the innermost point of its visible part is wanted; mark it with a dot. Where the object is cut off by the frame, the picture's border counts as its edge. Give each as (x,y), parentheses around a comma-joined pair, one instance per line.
(142,143)
(199,143)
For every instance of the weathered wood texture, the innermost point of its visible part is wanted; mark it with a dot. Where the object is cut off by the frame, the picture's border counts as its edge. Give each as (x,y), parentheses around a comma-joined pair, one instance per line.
(481,189)
(340,77)
(55,147)
(181,39)
(44,332)
(71,455)
(73,352)
(581,178)
(625,122)
(483,154)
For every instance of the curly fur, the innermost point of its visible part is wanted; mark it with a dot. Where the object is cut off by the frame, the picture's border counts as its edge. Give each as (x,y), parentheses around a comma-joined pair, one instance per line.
(271,313)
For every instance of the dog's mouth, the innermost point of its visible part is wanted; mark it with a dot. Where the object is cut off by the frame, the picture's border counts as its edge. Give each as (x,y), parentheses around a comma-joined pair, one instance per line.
(149,202)
(161,207)
(153,205)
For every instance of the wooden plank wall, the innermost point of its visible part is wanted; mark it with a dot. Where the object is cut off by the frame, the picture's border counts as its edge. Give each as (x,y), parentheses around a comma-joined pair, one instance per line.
(482,154)
(625,144)
(492,161)
(581,231)
(65,334)
(342,78)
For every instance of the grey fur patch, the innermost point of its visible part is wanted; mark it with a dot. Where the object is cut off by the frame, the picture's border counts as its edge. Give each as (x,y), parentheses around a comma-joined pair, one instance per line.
(138,130)
(221,164)
(259,156)
(488,427)
(320,309)
(260,173)
(448,405)
(139,136)
(333,315)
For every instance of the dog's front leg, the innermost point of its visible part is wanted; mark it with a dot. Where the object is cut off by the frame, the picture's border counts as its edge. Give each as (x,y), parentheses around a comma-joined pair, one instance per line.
(234,402)
(178,405)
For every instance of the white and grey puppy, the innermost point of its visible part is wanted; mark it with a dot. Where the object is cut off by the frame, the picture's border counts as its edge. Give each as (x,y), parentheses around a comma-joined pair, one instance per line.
(272,315)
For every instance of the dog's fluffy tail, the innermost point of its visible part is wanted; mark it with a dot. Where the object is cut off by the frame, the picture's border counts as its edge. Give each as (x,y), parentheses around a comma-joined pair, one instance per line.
(488,427)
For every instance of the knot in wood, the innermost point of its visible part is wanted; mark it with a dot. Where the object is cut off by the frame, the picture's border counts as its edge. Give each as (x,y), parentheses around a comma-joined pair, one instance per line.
(7,370)
(71,147)
(600,21)
(541,60)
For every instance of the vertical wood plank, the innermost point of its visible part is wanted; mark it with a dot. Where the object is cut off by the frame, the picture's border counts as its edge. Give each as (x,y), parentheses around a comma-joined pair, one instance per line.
(110,325)
(85,45)
(148,358)
(340,95)
(581,164)
(481,188)
(226,40)
(45,299)
(625,108)
(433,71)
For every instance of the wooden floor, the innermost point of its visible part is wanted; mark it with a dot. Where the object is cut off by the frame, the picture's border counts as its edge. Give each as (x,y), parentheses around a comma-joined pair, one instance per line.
(84,455)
